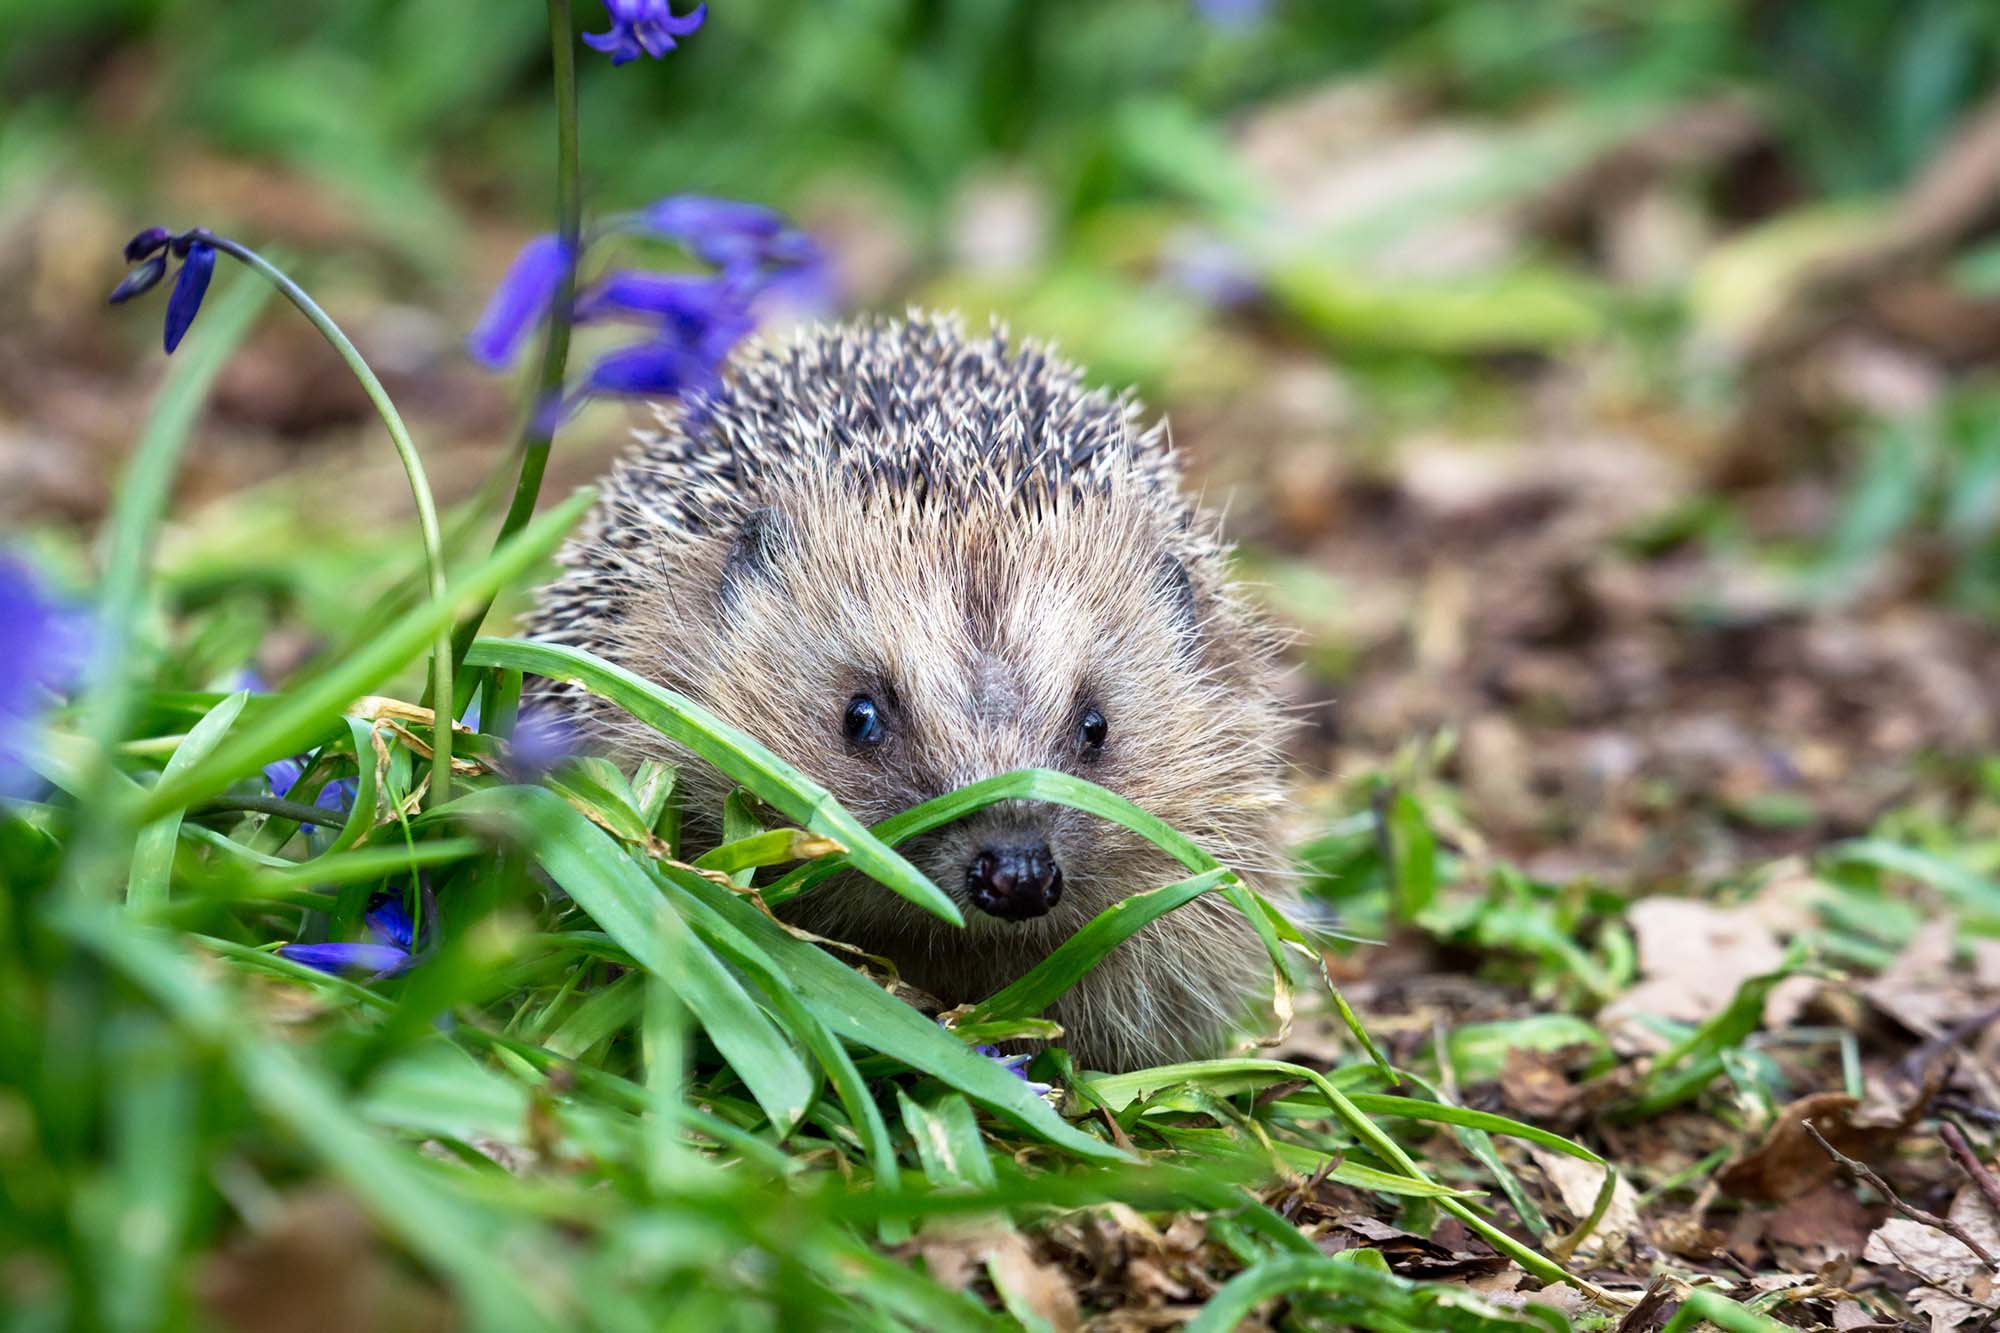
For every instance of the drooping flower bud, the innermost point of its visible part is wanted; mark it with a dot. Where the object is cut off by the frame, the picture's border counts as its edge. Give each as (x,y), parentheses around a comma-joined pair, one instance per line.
(190,285)
(140,280)
(148,242)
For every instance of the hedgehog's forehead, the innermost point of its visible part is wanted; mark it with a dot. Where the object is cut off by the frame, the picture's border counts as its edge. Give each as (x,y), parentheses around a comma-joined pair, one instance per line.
(954,585)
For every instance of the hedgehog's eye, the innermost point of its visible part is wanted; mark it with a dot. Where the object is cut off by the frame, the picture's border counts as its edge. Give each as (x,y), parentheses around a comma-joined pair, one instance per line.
(1091,729)
(862,721)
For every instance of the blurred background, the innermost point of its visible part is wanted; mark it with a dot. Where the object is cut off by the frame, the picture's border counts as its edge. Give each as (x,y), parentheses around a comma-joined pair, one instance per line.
(1603,392)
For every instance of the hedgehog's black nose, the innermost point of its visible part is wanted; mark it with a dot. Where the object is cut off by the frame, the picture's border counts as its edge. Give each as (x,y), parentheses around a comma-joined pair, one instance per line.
(1014,882)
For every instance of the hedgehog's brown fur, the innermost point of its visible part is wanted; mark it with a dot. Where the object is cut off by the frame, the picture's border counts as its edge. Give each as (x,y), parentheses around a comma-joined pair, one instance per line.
(965,531)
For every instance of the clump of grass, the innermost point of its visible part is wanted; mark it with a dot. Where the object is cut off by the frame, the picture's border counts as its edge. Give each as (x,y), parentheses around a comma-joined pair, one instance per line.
(611,1089)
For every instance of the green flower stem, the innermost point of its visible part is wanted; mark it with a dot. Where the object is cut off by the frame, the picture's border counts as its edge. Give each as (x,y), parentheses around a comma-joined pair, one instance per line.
(539,431)
(278,807)
(420,491)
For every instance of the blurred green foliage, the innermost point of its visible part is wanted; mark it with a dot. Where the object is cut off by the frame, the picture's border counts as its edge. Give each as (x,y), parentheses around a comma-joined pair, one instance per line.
(388,99)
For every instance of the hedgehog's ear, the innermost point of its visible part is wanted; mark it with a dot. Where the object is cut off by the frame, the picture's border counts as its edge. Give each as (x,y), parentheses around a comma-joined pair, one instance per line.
(1172,585)
(752,553)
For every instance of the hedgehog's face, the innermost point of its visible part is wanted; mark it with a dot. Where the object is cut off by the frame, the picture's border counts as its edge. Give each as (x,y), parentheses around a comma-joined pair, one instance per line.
(896,659)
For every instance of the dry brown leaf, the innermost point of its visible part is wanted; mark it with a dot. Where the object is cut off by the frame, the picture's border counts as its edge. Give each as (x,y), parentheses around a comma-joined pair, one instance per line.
(1957,1290)
(1535,1084)
(1786,1162)
(1578,1183)
(1027,1283)
(1693,957)
(1410,1255)
(956,1252)
(1823,1222)
(1924,991)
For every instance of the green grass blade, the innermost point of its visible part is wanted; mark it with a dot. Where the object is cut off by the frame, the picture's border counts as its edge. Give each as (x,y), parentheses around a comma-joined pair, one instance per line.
(664,1028)
(155,1116)
(1027,784)
(863,1013)
(1120,1089)
(153,856)
(1969,891)
(774,847)
(730,751)
(621,897)
(1084,950)
(301,718)
(1211,1144)
(361,818)
(779,992)
(604,1013)
(1363,1298)
(1680,1073)
(1707,1307)
(947,1138)
(1442,1113)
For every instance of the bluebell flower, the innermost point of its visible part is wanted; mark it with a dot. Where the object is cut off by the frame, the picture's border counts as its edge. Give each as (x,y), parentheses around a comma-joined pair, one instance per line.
(140,280)
(694,321)
(386,953)
(148,242)
(696,306)
(1017,1065)
(336,797)
(643,28)
(248,678)
(757,248)
(541,741)
(47,642)
(520,302)
(658,369)
(190,286)
(148,251)
(1211,269)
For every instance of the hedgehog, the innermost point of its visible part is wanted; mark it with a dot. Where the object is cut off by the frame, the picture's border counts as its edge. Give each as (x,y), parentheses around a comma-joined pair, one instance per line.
(906,559)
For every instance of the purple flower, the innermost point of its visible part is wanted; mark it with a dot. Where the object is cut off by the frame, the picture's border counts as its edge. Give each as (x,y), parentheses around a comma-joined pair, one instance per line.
(46,646)
(694,320)
(541,741)
(140,280)
(1211,269)
(520,302)
(385,955)
(388,919)
(148,242)
(724,232)
(336,797)
(1017,1065)
(248,678)
(643,28)
(658,369)
(697,321)
(375,959)
(148,250)
(757,248)
(190,285)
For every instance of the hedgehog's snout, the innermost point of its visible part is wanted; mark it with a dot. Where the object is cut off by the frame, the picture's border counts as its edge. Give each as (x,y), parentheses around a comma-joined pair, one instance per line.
(1014,881)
